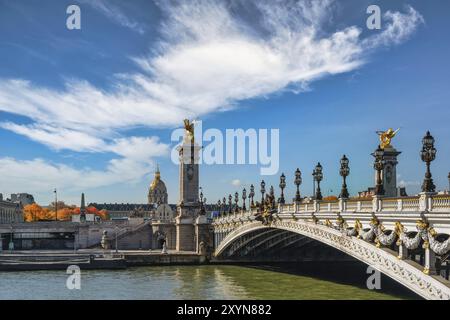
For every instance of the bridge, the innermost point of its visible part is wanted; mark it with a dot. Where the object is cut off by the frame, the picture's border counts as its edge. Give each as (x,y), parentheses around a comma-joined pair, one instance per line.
(405,238)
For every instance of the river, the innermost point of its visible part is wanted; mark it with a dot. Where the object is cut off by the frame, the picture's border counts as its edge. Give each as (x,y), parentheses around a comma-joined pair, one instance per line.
(189,282)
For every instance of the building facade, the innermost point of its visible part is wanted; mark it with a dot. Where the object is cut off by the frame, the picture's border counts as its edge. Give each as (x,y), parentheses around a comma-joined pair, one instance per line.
(10,212)
(24,198)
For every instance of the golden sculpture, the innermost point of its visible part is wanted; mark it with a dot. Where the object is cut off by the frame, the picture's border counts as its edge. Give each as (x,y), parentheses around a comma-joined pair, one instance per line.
(386,137)
(189,127)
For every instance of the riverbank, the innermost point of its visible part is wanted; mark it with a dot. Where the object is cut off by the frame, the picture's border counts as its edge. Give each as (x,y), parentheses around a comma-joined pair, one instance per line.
(93,259)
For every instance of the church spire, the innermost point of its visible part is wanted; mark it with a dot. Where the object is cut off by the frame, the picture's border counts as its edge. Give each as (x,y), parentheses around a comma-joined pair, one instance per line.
(157,173)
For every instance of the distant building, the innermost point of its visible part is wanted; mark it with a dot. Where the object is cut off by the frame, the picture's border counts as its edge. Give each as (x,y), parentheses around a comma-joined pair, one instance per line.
(23,198)
(370,192)
(10,212)
(125,210)
(156,208)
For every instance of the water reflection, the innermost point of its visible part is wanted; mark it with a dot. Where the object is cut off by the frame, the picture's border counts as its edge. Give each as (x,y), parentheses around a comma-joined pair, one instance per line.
(179,282)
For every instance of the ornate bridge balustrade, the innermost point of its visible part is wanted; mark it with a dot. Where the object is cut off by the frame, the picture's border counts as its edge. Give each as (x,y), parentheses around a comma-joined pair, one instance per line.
(405,238)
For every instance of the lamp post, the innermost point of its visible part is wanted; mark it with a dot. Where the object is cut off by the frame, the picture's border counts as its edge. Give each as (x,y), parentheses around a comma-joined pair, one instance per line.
(282,186)
(244,196)
(56,204)
(298,182)
(448,182)
(378,166)
(272,197)
(11,240)
(219,207)
(252,194)
(318,176)
(224,204)
(236,200)
(230,204)
(344,172)
(428,154)
(117,233)
(263,190)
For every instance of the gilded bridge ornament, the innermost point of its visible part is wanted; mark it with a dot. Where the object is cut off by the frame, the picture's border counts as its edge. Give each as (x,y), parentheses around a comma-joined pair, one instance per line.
(386,137)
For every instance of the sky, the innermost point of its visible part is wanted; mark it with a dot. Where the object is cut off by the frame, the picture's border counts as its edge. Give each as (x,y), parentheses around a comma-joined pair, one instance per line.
(93,110)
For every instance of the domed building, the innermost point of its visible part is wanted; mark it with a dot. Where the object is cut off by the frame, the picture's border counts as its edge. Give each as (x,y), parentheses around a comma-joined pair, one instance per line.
(157,193)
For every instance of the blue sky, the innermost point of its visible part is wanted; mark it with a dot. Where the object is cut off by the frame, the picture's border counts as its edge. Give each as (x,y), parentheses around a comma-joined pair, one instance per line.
(92,110)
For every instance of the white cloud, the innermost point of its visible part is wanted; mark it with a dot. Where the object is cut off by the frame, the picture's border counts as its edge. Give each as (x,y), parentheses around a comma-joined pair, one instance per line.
(399,27)
(236,183)
(209,58)
(35,175)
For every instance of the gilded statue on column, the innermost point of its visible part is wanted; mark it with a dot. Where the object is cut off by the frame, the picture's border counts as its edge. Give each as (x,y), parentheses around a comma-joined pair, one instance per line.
(386,137)
(189,128)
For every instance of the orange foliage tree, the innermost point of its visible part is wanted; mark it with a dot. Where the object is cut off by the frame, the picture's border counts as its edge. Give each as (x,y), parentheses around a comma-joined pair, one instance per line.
(330,198)
(34,212)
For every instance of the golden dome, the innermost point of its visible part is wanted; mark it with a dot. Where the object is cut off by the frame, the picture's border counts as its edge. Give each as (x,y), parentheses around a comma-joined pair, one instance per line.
(156,180)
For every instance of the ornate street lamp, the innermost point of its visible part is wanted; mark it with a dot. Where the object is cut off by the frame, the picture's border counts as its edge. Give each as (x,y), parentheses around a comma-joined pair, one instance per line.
(236,200)
(318,176)
(344,172)
(282,186)
(219,207)
(244,196)
(202,207)
(263,190)
(378,166)
(272,197)
(252,194)
(428,154)
(298,182)
(230,204)
(448,182)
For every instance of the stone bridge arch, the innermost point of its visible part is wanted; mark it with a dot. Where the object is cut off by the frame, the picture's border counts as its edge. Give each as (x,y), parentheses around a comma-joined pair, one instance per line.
(407,273)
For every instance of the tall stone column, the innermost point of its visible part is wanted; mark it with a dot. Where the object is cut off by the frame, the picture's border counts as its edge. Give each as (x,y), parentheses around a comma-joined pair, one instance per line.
(189,206)
(389,172)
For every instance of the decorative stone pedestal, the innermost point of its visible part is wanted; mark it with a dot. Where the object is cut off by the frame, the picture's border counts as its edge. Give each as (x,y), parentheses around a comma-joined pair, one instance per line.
(389,173)
(185,234)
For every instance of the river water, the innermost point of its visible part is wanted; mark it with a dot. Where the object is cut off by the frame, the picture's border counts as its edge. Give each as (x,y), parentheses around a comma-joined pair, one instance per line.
(186,282)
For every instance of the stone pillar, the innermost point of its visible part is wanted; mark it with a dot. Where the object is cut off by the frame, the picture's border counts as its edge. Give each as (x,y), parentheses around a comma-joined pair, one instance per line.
(185,240)
(376,203)
(202,234)
(430,261)
(402,252)
(342,204)
(189,206)
(389,173)
(316,205)
(425,201)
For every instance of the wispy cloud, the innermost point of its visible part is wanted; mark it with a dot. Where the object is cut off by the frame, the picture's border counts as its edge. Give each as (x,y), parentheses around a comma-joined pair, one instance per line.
(114,13)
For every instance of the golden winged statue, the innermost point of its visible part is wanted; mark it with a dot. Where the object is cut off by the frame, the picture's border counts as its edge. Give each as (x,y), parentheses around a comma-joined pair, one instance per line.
(189,127)
(386,137)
